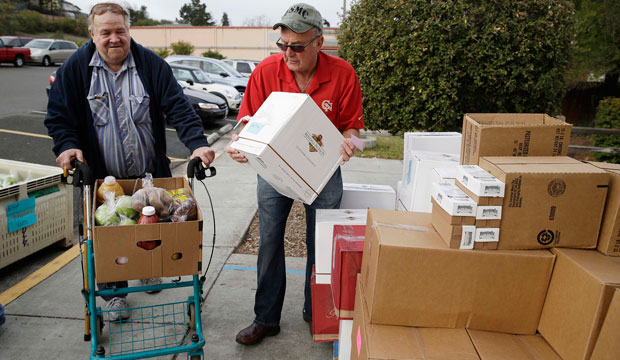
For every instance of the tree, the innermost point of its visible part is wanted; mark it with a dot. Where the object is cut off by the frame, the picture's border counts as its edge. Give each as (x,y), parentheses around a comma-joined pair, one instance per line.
(136,16)
(225,21)
(423,64)
(196,14)
(258,21)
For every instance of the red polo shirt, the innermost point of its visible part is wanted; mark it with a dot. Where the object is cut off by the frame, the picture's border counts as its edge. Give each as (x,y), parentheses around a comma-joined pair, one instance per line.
(334,88)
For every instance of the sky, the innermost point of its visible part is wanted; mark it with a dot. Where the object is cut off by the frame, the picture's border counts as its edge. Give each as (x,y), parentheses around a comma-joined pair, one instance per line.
(237,10)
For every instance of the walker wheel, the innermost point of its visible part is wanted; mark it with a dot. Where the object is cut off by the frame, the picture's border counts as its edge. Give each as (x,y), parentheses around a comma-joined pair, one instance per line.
(191,311)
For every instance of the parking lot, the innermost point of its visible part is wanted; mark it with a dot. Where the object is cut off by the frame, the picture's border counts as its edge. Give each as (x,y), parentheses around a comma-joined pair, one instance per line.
(23,137)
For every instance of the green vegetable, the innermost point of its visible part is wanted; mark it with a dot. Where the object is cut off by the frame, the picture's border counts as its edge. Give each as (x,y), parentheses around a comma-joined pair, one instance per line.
(123,207)
(127,221)
(105,216)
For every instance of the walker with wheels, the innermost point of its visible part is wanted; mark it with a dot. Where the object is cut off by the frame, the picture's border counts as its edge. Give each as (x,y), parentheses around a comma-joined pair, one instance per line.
(150,331)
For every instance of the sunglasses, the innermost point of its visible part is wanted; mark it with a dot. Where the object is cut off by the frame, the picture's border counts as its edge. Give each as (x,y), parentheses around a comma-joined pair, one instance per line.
(295,48)
(103,8)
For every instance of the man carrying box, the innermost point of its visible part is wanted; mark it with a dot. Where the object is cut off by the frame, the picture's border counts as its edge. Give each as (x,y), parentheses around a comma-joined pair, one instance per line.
(333,85)
(109,107)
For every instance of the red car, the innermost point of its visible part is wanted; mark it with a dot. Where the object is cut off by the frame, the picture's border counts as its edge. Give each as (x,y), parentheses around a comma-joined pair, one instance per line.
(10,53)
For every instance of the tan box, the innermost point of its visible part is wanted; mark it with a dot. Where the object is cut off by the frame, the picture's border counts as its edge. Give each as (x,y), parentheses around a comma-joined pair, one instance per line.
(412,278)
(500,346)
(371,341)
(608,345)
(512,135)
(180,252)
(488,223)
(450,228)
(609,237)
(579,295)
(550,201)
(485,245)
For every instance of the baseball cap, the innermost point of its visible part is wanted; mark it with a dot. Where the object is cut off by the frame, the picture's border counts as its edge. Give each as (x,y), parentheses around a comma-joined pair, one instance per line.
(301,18)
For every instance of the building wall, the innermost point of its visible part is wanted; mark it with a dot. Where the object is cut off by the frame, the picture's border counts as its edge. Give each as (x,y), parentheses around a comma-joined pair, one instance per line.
(250,43)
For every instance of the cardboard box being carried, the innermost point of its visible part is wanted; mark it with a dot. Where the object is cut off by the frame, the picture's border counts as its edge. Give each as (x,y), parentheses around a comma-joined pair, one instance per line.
(581,289)
(292,145)
(364,196)
(550,201)
(118,258)
(609,237)
(500,346)
(373,341)
(607,346)
(512,135)
(412,278)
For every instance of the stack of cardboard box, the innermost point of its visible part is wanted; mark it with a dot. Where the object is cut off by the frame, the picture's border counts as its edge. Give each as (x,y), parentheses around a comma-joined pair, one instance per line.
(545,293)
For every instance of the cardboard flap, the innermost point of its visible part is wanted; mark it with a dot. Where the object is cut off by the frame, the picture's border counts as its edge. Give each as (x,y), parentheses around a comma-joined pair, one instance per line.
(605,269)
(501,346)
(509,119)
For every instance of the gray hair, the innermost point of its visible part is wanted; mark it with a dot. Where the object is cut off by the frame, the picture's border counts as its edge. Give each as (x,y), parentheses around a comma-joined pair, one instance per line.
(317,31)
(102,8)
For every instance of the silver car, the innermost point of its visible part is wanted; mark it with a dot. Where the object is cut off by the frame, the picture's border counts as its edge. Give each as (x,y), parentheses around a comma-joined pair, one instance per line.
(219,71)
(50,51)
(245,67)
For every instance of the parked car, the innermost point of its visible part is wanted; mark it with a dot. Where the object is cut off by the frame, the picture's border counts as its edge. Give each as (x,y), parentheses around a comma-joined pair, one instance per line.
(244,67)
(16,55)
(50,51)
(196,79)
(207,106)
(52,78)
(15,41)
(219,71)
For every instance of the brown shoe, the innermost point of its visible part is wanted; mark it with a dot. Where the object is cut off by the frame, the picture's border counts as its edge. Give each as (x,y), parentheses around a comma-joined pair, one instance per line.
(254,333)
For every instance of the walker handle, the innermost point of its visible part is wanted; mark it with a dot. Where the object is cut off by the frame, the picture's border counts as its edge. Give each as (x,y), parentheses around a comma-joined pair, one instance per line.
(195,168)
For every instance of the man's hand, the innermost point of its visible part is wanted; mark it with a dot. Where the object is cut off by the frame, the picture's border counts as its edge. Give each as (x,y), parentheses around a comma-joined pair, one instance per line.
(205,153)
(64,159)
(234,154)
(347,149)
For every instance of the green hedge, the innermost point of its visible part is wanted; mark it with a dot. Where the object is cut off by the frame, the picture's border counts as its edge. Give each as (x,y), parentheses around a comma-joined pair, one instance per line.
(32,22)
(608,117)
(423,64)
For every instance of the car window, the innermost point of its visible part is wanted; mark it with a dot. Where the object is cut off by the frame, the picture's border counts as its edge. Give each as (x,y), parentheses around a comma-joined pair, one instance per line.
(39,44)
(243,67)
(70,45)
(1,44)
(229,69)
(65,46)
(5,39)
(229,62)
(25,41)
(55,46)
(211,68)
(182,74)
(201,77)
(256,63)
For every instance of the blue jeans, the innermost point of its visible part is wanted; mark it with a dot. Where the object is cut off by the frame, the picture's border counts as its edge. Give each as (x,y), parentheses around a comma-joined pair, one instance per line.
(273,210)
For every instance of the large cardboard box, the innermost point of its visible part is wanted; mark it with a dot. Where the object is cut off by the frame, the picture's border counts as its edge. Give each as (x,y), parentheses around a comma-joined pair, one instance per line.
(416,192)
(373,341)
(500,346)
(364,196)
(324,319)
(608,344)
(578,299)
(609,237)
(292,144)
(546,200)
(412,278)
(346,264)
(118,258)
(324,237)
(512,135)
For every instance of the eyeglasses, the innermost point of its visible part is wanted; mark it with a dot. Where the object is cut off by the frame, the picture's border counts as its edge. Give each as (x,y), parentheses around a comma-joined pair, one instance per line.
(295,48)
(102,8)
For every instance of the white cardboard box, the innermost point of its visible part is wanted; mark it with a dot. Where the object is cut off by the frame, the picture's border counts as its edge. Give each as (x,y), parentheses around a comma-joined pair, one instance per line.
(292,145)
(479,181)
(453,200)
(444,175)
(442,142)
(344,340)
(364,196)
(417,180)
(324,237)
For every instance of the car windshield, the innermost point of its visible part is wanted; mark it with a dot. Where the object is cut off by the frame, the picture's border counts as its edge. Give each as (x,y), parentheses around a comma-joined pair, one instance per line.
(38,44)
(5,39)
(201,77)
(230,69)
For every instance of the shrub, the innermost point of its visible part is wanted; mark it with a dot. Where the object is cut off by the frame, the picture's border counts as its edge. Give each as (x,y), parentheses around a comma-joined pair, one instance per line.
(607,117)
(423,64)
(213,54)
(182,48)
(163,52)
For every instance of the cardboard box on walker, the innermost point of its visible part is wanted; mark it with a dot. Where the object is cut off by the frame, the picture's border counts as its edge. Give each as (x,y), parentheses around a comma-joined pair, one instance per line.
(180,252)
(411,278)
(512,135)
(292,145)
(579,296)
(550,201)
(379,342)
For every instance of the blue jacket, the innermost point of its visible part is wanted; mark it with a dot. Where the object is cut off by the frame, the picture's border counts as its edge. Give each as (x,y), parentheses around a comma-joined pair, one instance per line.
(69,119)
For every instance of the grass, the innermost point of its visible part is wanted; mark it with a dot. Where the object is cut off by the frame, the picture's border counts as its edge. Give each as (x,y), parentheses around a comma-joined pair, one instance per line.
(388,147)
